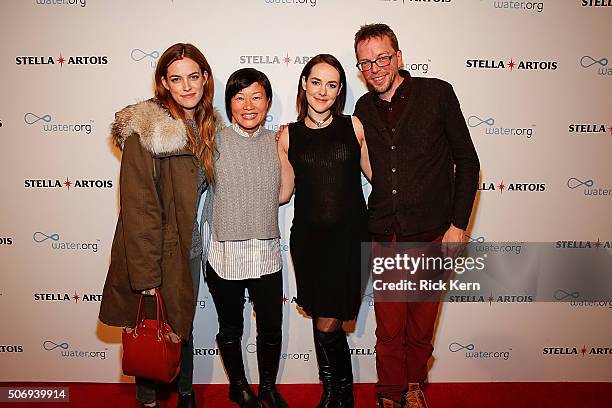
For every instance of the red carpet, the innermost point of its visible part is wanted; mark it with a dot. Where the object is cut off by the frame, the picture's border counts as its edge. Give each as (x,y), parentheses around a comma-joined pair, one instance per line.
(439,395)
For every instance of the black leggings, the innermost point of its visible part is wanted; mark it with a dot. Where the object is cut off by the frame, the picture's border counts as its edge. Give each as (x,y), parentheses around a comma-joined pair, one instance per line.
(266,294)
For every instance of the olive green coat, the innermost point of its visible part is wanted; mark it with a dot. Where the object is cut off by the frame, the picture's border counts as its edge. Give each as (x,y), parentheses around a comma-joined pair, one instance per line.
(153,236)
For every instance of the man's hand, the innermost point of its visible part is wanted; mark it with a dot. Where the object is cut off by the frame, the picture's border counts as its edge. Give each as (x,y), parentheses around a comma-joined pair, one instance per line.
(453,241)
(149,292)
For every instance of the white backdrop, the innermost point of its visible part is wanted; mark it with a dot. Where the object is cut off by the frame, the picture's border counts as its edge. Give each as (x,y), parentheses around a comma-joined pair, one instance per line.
(67,66)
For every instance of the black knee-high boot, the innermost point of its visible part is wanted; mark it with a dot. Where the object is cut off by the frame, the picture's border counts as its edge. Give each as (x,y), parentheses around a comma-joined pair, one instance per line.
(346,398)
(239,390)
(268,358)
(335,370)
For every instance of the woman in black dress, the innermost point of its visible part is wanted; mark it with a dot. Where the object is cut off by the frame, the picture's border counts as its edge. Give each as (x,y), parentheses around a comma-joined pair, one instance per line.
(322,155)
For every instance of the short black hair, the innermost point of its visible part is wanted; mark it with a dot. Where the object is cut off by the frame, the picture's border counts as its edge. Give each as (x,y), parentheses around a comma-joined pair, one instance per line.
(243,78)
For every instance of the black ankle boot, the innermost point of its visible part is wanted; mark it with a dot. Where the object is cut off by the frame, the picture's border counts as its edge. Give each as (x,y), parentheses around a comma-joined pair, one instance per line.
(335,370)
(268,358)
(239,390)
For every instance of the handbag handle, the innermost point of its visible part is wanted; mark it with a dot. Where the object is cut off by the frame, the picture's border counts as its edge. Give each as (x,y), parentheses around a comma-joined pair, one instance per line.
(161,313)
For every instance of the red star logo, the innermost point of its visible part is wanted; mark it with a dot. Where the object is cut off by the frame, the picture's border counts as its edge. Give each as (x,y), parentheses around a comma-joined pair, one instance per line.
(284,299)
(511,64)
(67,183)
(287,60)
(490,299)
(61,60)
(598,244)
(76,297)
(501,186)
(583,350)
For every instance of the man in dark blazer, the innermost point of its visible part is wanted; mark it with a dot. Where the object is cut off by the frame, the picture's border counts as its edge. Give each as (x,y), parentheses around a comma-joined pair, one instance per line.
(424,179)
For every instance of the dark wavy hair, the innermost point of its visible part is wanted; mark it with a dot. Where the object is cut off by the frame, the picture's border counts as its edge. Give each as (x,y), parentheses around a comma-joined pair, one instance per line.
(301,104)
(243,78)
(204,113)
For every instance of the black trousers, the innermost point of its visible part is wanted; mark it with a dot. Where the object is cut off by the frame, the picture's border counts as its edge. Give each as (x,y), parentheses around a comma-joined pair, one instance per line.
(266,294)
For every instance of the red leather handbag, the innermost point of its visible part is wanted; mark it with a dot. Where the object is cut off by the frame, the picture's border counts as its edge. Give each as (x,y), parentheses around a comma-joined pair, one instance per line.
(151,349)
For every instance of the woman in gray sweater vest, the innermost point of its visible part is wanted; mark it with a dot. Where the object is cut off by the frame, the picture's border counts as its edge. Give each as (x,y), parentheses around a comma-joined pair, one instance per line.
(245,247)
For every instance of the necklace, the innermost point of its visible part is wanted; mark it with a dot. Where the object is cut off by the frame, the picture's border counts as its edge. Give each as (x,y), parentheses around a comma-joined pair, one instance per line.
(319,123)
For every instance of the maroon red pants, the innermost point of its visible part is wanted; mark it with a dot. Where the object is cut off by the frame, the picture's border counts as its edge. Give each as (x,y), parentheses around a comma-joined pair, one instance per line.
(403,341)
(404,331)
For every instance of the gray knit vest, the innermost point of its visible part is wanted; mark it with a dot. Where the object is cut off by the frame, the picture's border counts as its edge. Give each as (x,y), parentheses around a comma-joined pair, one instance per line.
(247,184)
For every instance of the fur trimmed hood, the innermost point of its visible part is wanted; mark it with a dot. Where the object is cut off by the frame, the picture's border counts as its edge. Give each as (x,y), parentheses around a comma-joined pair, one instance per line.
(159,132)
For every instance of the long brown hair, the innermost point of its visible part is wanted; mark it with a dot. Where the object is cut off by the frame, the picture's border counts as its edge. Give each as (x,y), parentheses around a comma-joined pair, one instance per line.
(301,104)
(204,114)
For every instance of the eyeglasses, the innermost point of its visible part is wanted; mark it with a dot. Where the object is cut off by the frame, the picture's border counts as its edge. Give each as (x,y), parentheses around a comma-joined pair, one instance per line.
(380,62)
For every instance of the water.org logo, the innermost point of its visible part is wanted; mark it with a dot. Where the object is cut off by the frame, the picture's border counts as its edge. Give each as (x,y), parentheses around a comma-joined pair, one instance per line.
(488,126)
(590,129)
(47,124)
(251,348)
(518,6)
(13,348)
(311,3)
(573,298)
(588,188)
(274,59)
(598,65)
(53,242)
(92,184)
(531,187)
(66,297)
(81,3)
(270,124)
(368,298)
(470,351)
(138,55)
(201,303)
(511,65)
(61,60)
(65,351)
(418,67)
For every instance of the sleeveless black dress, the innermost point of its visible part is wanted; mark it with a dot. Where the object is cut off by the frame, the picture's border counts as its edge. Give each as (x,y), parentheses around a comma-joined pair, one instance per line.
(330,218)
